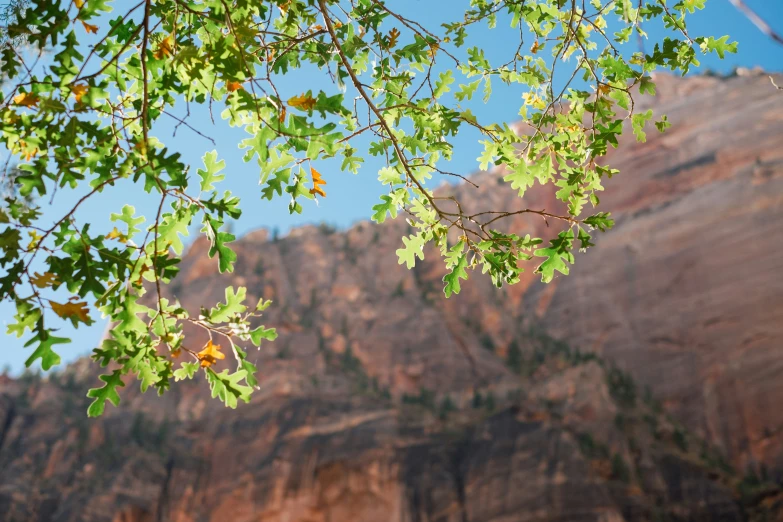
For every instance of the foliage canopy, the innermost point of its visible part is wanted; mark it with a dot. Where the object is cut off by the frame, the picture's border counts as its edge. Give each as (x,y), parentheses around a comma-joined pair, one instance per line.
(86,117)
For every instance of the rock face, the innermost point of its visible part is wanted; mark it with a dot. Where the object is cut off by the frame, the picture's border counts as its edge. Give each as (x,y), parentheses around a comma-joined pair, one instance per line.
(641,387)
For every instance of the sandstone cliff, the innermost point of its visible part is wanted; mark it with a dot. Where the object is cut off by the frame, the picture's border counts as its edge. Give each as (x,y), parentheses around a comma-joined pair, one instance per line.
(645,386)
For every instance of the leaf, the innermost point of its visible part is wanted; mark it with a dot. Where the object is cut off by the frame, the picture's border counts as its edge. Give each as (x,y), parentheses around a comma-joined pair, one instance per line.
(44,280)
(414,246)
(93,29)
(209,174)
(317,182)
(233,306)
(452,278)
(557,255)
(26,99)
(210,354)
(235,86)
(44,351)
(187,370)
(638,121)
(79,90)
(108,392)
(219,240)
(445,79)
(262,333)
(165,48)
(394,36)
(116,234)
(388,205)
(74,310)
(305,102)
(127,217)
(602,221)
(720,45)
(226,386)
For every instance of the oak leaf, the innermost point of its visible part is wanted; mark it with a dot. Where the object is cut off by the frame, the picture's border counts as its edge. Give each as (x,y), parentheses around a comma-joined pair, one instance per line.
(74,310)
(165,47)
(210,355)
(317,182)
(89,27)
(306,102)
(79,3)
(233,86)
(43,280)
(394,35)
(535,47)
(26,99)
(116,234)
(79,90)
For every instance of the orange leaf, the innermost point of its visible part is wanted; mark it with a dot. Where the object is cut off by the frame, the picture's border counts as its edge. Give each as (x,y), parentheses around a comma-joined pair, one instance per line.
(394,35)
(210,354)
(176,353)
(79,3)
(281,118)
(43,280)
(604,89)
(165,47)
(306,102)
(536,47)
(26,99)
(89,27)
(73,310)
(317,182)
(79,90)
(233,86)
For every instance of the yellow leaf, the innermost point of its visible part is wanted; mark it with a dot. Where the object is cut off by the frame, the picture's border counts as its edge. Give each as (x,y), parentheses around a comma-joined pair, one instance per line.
(604,89)
(233,86)
(74,310)
(79,90)
(434,48)
(26,99)
(534,100)
(306,102)
(210,354)
(79,3)
(89,27)
(317,182)
(116,234)
(34,238)
(165,47)
(43,280)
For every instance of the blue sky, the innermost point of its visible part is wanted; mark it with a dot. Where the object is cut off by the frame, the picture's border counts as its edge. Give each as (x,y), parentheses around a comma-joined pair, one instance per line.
(350,197)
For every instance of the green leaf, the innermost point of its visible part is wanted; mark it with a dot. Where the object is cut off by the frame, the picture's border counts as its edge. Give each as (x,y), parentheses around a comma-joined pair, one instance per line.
(126,216)
(638,121)
(226,386)
(269,334)
(45,341)
(187,370)
(209,174)
(452,278)
(379,216)
(414,246)
(233,305)
(108,392)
